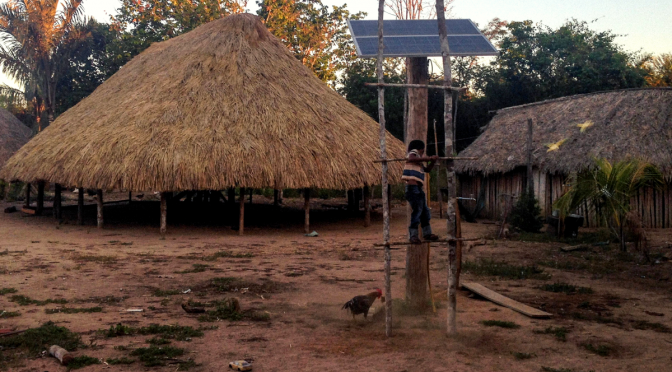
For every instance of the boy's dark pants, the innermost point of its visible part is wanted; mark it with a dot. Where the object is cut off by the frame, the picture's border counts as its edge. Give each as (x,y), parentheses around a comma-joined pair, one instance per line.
(420,214)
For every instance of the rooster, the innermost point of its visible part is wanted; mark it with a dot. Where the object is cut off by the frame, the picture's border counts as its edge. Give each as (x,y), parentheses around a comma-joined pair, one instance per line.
(361,304)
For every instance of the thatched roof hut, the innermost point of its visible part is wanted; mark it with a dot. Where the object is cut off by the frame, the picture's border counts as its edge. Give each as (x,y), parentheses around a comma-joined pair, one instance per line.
(224,105)
(13,135)
(618,125)
(626,124)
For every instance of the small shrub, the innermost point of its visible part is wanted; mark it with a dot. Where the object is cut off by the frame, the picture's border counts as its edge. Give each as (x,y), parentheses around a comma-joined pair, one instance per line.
(9,314)
(526,214)
(197,268)
(499,323)
(35,340)
(69,310)
(82,361)
(25,301)
(156,356)
(156,340)
(4,291)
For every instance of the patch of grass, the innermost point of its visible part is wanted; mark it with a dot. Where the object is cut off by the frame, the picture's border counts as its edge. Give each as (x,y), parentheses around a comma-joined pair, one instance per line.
(5,291)
(82,361)
(523,356)
(549,369)
(123,360)
(104,260)
(598,236)
(9,314)
(490,267)
(117,242)
(121,348)
(197,268)
(70,310)
(35,340)
(596,318)
(560,333)
(157,292)
(25,301)
(103,299)
(227,254)
(564,265)
(560,287)
(173,332)
(156,356)
(499,323)
(601,350)
(229,309)
(646,325)
(119,330)
(224,284)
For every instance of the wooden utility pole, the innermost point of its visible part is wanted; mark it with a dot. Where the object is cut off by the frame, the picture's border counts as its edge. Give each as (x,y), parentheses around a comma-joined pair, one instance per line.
(383,155)
(530,181)
(452,187)
(417,254)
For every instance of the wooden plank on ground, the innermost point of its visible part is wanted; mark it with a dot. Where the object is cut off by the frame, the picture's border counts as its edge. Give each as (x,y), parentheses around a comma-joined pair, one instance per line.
(28,210)
(505,301)
(575,248)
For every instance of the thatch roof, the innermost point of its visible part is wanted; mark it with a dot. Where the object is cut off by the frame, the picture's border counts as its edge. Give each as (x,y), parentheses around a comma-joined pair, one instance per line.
(13,135)
(226,104)
(625,124)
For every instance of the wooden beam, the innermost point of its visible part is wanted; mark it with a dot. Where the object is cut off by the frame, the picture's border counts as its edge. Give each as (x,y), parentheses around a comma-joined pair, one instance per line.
(40,198)
(505,301)
(439,197)
(80,206)
(57,201)
(306,211)
(164,212)
(276,197)
(451,220)
(367,206)
(416,86)
(241,216)
(99,214)
(385,187)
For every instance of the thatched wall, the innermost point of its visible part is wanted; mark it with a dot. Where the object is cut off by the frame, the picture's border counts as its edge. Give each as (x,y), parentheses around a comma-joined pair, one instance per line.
(13,135)
(223,105)
(626,124)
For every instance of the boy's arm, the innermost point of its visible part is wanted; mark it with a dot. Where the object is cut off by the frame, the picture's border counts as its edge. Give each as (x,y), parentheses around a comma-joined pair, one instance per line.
(412,158)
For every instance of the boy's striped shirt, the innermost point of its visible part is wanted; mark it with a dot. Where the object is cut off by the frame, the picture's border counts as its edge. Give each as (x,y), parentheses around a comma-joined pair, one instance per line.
(414,171)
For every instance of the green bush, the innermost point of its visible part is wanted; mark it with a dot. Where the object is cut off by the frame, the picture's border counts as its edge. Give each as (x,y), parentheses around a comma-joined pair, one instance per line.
(526,214)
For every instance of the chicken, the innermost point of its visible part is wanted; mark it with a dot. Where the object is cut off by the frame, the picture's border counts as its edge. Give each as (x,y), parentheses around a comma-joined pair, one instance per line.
(361,304)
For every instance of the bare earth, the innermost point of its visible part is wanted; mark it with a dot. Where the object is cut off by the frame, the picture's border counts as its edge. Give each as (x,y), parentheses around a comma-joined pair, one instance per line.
(302,282)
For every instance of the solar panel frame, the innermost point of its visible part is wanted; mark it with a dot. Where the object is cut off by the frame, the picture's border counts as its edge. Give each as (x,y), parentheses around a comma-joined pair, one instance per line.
(419,38)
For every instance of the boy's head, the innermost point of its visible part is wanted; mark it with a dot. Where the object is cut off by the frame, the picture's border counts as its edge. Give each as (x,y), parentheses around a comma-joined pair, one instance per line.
(417,145)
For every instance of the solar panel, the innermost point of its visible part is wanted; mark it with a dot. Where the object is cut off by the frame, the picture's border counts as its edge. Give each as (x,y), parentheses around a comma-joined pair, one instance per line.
(419,38)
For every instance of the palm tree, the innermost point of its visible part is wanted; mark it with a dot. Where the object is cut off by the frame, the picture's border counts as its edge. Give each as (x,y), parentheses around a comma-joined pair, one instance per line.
(607,190)
(36,37)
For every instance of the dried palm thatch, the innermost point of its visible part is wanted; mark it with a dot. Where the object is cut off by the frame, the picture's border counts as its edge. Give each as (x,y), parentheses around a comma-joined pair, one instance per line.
(13,135)
(223,105)
(613,125)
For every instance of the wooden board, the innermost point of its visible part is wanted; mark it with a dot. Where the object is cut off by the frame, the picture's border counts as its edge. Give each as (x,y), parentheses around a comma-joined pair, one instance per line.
(505,301)
(28,210)
(581,247)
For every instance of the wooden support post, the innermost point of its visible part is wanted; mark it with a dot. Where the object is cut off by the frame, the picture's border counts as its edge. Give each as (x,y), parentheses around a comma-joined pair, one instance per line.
(451,321)
(40,198)
(57,201)
(367,206)
(439,197)
(385,187)
(27,201)
(251,192)
(416,255)
(164,212)
(306,210)
(80,205)
(241,217)
(276,197)
(530,180)
(130,197)
(99,214)
(351,200)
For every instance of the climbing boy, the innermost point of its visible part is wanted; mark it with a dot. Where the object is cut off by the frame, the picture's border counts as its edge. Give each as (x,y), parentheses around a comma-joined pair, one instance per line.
(414,176)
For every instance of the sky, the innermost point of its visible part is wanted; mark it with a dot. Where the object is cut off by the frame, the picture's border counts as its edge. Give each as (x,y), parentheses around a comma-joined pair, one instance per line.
(644,24)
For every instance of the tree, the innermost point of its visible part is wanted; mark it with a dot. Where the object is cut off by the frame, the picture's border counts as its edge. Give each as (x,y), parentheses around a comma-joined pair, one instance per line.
(608,190)
(538,63)
(139,23)
(316,34)
(660,71)
(415,9)
(37,36)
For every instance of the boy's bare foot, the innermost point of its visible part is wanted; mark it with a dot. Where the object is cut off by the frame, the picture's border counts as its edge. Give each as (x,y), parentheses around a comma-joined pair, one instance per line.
(415,240)
(431,237)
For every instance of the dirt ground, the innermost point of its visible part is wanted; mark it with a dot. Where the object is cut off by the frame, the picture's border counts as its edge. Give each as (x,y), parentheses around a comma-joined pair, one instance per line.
(302,282)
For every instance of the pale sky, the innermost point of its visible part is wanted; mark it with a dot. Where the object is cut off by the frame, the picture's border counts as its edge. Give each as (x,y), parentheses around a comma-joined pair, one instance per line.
(645,24)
